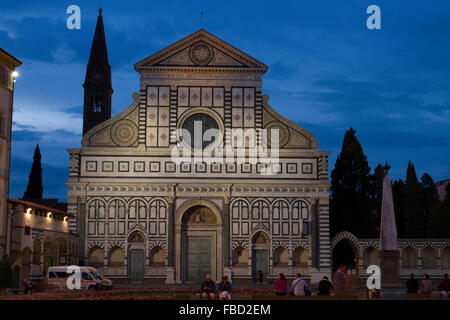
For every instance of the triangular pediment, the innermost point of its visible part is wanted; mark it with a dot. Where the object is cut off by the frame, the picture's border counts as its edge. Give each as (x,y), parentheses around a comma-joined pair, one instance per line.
(201,50)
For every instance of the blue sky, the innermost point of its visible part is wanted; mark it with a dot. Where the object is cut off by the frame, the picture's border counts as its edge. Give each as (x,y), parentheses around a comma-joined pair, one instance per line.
(327,72)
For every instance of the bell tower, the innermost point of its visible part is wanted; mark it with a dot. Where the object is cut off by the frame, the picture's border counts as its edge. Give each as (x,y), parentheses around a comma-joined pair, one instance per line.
(97,84)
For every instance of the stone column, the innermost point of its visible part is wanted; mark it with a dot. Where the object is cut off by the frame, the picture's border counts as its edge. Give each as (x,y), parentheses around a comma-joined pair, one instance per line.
(83,238)
(314,237)
(227,238)
(170,271)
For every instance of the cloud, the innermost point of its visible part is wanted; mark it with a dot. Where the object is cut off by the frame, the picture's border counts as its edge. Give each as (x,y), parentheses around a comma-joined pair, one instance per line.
(281,71)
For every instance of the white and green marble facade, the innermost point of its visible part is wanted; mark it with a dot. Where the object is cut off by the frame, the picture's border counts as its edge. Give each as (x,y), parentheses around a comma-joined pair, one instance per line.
(126,193)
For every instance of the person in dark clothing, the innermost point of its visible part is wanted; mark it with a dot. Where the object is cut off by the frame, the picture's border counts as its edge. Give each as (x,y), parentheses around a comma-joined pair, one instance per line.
(444,286)
(259,276)
(412,285)
(208,289)
(325,287)
(27,288)
(224,289)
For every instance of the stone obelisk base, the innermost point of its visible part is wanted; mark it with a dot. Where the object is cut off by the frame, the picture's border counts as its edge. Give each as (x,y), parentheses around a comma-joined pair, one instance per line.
(390,269)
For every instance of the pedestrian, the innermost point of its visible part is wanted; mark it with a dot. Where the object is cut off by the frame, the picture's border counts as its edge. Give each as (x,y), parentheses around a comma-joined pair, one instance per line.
(259,276)
(325,287)
(224,289)
(412,285)
(427,285)
(26,286)
(298,286)
(281,285)
(444,286)
(208,289)
(340,281)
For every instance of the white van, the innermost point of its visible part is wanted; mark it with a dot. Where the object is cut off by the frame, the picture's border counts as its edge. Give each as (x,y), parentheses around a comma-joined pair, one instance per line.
(91,279)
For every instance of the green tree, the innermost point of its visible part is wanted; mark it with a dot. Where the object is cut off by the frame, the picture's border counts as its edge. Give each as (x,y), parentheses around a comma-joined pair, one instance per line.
(5,272)
(399,196)
(415,220)
(34,188)
(350,203)
(432,208)
(444,216)
(376,197)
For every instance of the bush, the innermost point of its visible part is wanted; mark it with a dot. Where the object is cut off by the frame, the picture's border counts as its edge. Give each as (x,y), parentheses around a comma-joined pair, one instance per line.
(5,272)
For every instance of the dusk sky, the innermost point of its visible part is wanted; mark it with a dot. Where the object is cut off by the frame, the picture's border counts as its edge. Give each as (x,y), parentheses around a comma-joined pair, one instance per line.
(327,72)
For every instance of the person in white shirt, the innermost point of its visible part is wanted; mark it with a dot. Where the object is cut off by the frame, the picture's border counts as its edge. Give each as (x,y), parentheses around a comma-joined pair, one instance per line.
(298,286)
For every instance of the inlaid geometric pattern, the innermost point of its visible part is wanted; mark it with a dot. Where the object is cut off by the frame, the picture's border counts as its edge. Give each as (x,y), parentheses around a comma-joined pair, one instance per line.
(158,116)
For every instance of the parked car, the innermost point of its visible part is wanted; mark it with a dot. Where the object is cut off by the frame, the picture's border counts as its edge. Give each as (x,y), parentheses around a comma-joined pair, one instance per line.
(91,279)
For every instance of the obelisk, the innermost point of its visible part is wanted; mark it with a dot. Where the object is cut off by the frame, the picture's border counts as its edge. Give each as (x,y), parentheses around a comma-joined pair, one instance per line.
(389,253)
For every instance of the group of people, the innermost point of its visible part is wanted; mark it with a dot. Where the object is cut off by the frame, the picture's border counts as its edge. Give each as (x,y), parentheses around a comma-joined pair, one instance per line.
(209,289)
(27,287)
(426,287)
(299,286)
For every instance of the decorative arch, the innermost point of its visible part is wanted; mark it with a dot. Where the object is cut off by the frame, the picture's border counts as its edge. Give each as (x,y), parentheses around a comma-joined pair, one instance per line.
(117,208)
(116,257)
(157,257)
(278,209)
(409,257)
(281,244)
(345,235)
(137,209)
(158,209)
(96,208)
(208,111)
(198,202)
(303,245)
(158,199)
(240,244)
(429,257)
(445,257)
(260,233)
(157,244)
(280,257)
(240,256)
(96,256)
(240,209)
(115,244)
(137,235)
(99,244)
(300,257)
(260,209)
(300,209)
(240,199)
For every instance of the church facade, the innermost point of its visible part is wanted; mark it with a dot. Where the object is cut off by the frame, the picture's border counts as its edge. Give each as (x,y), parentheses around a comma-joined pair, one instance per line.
(143,215)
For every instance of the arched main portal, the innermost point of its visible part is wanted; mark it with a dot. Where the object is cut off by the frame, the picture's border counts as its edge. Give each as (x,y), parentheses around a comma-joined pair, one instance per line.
(136,257)
(260,256)
(198,242)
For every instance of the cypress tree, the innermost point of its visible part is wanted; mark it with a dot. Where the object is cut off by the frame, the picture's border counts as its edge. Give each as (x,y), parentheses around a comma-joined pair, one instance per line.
(350,205)
(432,207)
(415,222)
(399,196)
(444,215)
(34,188)
(376,197)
